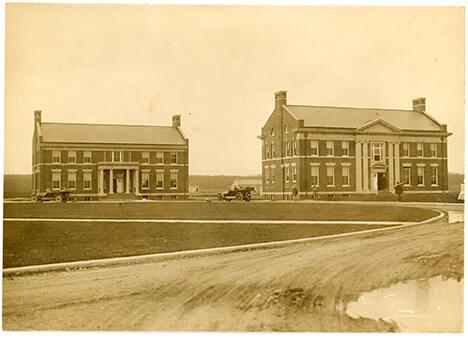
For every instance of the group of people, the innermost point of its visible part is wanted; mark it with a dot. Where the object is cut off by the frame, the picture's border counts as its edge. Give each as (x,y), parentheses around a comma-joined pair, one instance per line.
(315,194)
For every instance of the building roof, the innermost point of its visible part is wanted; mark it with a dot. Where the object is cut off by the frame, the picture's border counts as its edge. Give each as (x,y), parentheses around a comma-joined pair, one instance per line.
(342,117)
(110,133)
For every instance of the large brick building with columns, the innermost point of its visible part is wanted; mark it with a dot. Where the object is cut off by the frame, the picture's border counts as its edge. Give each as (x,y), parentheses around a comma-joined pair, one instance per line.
(98,161)
(344,151)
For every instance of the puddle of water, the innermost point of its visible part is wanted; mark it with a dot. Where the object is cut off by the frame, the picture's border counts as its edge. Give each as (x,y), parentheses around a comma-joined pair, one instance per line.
(455,216)
(428,305)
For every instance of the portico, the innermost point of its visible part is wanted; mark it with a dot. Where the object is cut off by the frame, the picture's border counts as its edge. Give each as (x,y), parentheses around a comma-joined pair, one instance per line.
(118,179)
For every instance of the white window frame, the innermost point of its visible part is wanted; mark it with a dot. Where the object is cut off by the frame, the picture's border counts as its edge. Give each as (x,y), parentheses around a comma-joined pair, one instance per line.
(345,146)
(90,180)
(273,174)
(332,170)
(314,144)
(176,173)
(160,178)
(287,174)
(436,184)
(312,169)
(419,148)
(145,177)
(378,150)
(407,184)
(176,158)
(288,149)
(331,149)
(87,155)
(59,175)
(345,173)
(405,149)
(160,157)
(420,169)
(71,155)
(56,154)
(120,156)
(145,157)
(294,147)
(71,174)
(267,175)
(433,149)
(273,150)
(294,173)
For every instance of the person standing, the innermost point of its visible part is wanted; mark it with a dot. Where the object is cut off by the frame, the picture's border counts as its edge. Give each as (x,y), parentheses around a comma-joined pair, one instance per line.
(294,193)
(315,192)
(399,191)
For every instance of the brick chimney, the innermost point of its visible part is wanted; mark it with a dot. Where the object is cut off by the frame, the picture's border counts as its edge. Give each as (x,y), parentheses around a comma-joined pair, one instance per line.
(280,99)
(419,104)
(176,121)
(37,117)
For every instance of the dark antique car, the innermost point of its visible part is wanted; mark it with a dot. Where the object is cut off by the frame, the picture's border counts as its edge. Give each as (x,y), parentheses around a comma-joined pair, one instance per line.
(240,194)
(56,195)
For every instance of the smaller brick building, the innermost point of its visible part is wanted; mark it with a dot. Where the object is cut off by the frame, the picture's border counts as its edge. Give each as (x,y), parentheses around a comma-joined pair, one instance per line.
(97,161)
(341,150)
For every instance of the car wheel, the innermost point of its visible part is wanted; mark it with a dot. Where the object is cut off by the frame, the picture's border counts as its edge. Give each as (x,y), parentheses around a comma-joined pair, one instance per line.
(239,196)
(219,197)
(34,198)
(248,196)
(58,198)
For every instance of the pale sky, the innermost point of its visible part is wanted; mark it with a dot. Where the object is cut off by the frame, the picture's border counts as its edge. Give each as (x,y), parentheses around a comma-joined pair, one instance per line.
(218,66)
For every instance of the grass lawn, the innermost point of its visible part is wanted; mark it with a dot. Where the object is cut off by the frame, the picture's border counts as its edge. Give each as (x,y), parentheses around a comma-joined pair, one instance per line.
(215,210)
(31,243)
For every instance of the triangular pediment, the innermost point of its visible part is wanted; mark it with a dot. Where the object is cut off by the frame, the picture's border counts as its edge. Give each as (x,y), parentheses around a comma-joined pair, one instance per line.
(378,126)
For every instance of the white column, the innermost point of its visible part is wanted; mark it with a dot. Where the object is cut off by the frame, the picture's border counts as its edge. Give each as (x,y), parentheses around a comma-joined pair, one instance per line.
(101,181)
(358,167)
(111,181)
(391,182)
(365,167)
(135,181)
(127,183)
(397,162)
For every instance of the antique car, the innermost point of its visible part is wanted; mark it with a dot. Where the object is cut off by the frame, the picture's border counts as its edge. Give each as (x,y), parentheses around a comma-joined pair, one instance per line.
(236,193)
(55,195)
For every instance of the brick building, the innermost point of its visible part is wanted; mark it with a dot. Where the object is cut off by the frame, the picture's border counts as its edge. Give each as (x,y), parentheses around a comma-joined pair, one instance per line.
(97,161)
(352,150)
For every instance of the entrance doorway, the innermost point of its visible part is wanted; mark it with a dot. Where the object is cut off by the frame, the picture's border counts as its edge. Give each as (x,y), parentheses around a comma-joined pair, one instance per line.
(381,181)
(119,182)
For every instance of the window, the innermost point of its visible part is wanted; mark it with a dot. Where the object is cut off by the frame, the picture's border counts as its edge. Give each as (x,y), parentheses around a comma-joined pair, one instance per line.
(145,157)
(377,152)
(55,156)
(421,176)
(345,176)
(56,178)
(406,150)
(71,156)
(87,157)
(330,176)
(407,175)
(160,180)
(117,156)
(295,147)
(273,172)
(285,129)
(145,180)
(287,173)
(267,152)
(434,176)
(433,149)
(330,148)
(314,148)
(294,173)
(267,175)
(87,181)
(314,172)
(288,148)
(273,151)
(159,157)
(419,152)
(72,180)
(272,133)
(345,148)
(173,180)
(173,158)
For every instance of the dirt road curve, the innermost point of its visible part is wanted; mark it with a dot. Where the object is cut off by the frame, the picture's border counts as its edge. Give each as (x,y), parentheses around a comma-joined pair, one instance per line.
(304,287)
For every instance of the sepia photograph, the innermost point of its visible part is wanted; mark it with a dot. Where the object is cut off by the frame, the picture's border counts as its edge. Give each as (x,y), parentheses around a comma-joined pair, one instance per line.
(233,168)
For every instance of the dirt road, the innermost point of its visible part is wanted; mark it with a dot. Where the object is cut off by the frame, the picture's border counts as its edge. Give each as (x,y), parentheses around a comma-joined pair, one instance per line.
(303,287)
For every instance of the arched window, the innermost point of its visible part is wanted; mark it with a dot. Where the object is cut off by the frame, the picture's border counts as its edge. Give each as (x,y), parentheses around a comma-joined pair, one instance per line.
(272,132)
